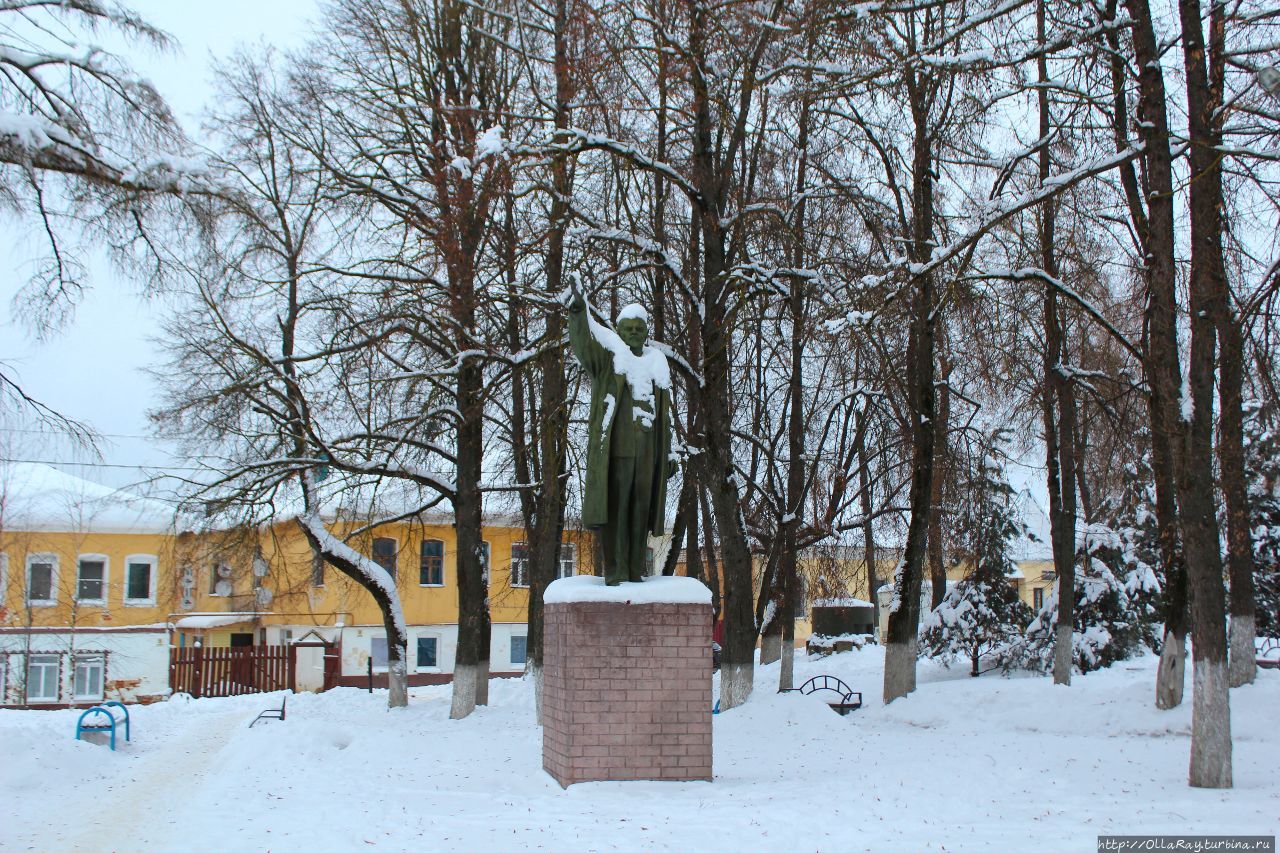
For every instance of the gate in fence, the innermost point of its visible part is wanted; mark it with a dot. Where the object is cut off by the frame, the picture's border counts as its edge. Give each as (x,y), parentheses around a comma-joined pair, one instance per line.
(203,671)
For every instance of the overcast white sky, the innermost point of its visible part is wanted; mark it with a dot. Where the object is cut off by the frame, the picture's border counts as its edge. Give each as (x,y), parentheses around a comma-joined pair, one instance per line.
(92,371)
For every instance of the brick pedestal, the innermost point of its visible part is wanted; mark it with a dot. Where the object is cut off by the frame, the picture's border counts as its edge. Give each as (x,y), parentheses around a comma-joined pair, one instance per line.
(626,691)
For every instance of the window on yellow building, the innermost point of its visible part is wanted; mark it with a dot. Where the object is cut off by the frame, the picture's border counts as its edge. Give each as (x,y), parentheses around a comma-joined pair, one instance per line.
(139,579)
(519,564)
(431,567)
(1037,597)
(42,579)
(91,579)
(567,560)
(317,570)
(384,554)
(220,579)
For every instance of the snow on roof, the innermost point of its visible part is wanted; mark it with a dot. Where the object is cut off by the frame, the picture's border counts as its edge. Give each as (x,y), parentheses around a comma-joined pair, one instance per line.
(201,621)
(842,602)
(40,497)
(653,590)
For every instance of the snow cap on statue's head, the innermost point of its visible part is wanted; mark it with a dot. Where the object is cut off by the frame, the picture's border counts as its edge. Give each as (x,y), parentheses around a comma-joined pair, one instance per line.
(634,311)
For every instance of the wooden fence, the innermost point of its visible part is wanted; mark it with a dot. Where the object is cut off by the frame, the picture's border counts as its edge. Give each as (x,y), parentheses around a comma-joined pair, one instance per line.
(203,671)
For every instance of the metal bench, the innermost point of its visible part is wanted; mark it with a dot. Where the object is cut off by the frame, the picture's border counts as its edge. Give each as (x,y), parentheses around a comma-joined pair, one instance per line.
(271,713)
(108,725)
(1269,654)
(847,698)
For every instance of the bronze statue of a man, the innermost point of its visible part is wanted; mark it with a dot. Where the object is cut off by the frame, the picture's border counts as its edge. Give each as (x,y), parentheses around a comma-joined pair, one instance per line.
(628,436)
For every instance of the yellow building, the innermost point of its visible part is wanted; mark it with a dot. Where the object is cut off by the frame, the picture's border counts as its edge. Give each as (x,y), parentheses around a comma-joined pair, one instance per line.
(96,587)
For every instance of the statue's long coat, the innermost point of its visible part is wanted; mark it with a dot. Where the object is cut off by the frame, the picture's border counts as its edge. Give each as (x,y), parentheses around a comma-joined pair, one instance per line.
(606,383)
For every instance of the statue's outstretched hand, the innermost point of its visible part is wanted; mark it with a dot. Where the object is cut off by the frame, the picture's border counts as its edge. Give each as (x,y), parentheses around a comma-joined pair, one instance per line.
(574,300)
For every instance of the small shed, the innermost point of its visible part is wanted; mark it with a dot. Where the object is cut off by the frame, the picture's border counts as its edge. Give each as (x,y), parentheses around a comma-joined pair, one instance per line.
(833,617)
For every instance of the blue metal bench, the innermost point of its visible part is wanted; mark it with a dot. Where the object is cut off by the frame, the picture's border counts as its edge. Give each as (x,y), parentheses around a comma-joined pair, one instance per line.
(107,725)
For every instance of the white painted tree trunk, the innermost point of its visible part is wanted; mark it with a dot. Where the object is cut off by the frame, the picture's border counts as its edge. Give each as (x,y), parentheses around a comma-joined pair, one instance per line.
(535,672)
(1062,655)
(1244,654)
(482,682)
(899,670)
(1171,677)
(1210,726)
(735,684)
(770,647)
(397,684)
(787,672)
(464,691)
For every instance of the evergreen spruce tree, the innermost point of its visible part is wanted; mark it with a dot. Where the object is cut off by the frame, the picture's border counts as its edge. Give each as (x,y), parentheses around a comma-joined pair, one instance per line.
(1128,545)
(1262,461)
(1107,627)
(981,616)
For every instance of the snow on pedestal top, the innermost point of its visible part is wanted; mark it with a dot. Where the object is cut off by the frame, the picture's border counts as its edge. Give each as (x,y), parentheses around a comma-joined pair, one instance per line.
(653,590)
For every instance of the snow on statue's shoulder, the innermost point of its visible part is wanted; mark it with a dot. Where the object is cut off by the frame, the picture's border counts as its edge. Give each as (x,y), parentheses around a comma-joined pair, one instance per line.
(654,590)
(643,371)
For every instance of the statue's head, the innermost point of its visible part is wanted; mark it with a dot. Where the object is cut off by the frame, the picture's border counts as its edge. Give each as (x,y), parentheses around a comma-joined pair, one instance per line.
(633,326)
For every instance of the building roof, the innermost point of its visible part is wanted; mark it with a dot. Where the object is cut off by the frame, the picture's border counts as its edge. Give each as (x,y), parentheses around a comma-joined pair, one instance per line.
(34,496)
(203,621)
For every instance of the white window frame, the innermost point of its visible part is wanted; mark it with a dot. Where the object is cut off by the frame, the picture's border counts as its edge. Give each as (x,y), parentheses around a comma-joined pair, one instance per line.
(150,600)
(89,657)
(428,635)
(511,573)
(57,678)
(52,600)
(106,579)
(573,560)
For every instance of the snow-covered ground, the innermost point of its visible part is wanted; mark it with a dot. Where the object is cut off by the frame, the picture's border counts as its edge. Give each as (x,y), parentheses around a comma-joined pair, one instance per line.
(963,764)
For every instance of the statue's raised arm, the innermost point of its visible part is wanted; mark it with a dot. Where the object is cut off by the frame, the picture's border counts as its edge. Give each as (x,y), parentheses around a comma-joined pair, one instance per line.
(595,359)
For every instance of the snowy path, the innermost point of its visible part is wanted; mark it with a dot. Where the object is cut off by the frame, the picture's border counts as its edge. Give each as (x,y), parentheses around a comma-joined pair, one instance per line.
(144,813)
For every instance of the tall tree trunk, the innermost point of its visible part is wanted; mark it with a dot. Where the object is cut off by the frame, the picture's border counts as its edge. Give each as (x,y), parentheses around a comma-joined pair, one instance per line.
(1243,653)
(868,527)
(904,613)
(796,468)
(1211,711)
(1057,401)
(1160,338)
(549,502)
(472,595)
(937,557)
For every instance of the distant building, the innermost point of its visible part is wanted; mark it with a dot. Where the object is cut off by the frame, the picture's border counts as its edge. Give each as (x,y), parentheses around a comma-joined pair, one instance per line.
(96,586)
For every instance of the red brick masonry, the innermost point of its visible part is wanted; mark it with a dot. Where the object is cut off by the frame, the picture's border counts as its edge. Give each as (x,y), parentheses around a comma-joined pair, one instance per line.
(626,692)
